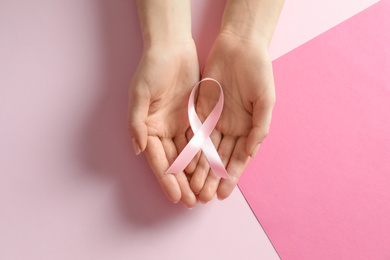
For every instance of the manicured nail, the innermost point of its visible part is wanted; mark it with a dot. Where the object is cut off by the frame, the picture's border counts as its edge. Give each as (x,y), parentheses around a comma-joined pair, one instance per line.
(137,148)
(255,150)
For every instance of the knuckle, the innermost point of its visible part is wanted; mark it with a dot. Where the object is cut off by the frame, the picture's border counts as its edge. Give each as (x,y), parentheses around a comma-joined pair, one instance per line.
(137,92)
(189,199)
(239,157)
(272,100)
(158,156)
(131,126)
(206,196)
(269,101)
(224,155)
(128,128)
(202,168)
(262,133)
(190,168)
(196,186)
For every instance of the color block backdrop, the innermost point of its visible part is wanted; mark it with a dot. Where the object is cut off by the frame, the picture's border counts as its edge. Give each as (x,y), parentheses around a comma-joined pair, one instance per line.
(70,186)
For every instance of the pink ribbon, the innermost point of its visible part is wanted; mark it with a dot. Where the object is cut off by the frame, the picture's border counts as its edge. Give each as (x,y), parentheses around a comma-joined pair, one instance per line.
(201,139)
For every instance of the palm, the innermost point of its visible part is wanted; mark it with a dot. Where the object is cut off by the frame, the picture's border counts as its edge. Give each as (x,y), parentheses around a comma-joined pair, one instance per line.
(244,75)
(244,70)
(168,105)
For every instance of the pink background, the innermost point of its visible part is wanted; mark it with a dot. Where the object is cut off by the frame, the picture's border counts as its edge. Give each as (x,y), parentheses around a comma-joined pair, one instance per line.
(70,187)
(320,184)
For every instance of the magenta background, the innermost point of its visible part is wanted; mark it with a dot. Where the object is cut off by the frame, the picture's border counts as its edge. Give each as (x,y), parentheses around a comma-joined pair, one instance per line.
(70,187)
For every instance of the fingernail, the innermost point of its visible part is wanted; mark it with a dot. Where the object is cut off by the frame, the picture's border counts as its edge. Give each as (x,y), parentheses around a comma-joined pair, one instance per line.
(137,148)
(255,150)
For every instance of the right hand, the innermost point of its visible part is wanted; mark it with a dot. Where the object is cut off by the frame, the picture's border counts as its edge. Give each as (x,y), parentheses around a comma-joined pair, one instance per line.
(157,115)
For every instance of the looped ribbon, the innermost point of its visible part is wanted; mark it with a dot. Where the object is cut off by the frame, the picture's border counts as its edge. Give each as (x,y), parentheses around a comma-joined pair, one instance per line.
(201,139)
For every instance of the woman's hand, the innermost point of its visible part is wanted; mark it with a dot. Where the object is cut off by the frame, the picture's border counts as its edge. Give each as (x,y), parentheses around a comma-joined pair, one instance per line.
(158,119)
(159,91)
(243,67)
(239,60)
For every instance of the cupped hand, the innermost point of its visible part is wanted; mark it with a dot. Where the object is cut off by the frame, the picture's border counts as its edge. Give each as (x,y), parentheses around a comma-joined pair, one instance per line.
(244,69)
(157,115)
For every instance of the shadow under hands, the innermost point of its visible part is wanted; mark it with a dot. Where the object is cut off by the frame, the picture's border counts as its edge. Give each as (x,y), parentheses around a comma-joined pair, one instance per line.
(105,143)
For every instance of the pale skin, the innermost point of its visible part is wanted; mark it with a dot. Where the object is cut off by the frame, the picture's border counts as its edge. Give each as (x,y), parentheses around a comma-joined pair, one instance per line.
(169,69)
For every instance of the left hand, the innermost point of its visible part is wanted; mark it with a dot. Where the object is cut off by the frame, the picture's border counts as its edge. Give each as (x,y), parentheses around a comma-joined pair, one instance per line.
(244,69)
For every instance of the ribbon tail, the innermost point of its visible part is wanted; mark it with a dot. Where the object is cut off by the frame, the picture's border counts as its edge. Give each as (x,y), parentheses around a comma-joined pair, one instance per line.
(214,160)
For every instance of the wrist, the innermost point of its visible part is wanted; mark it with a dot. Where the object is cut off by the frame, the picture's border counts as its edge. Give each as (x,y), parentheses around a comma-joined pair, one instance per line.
(244,36)
(165,22)
(166,41)
(254,20)
(235,46)
(171,48)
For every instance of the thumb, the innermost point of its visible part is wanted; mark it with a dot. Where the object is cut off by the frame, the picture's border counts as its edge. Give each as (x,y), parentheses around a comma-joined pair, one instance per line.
(139,102)
(261,120)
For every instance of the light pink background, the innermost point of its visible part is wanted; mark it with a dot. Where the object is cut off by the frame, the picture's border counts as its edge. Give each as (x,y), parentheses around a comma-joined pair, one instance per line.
(70,187)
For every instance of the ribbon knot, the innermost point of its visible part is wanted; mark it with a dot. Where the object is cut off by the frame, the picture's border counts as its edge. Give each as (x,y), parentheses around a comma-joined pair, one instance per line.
(201,139)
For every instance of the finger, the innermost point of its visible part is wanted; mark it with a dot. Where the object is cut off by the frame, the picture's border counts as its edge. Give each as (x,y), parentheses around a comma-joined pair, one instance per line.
(199,175)
(202,169)
(210,187)
(180,142)
(192,165)
(187,196)
(236,166)
(226,148)
(260,127)
(139,102)
(158,161)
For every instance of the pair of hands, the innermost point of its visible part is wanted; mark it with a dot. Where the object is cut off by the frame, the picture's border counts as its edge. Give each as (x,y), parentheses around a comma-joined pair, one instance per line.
(158,120)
